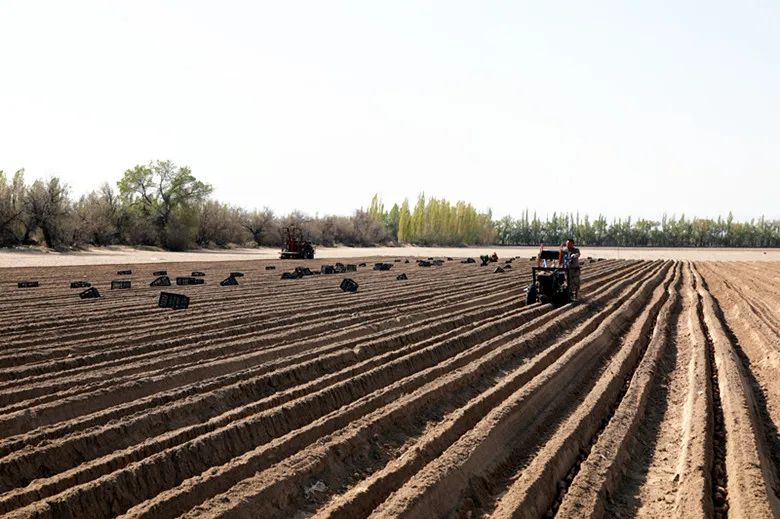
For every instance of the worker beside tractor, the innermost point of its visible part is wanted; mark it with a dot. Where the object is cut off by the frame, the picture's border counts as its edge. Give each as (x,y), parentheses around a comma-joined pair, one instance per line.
(571,260)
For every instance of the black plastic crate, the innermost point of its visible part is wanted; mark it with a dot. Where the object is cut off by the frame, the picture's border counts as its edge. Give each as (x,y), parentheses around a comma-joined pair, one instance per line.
(229,281)
(162,281)
(349,285)
(190,281)
(175,301)
(90,293)
(120,284)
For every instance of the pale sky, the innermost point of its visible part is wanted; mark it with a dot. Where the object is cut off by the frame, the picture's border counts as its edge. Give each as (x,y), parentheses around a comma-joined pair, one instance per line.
(621,108)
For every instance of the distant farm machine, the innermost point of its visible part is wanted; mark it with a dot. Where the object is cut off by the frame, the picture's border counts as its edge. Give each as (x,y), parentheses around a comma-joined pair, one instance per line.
(295,246)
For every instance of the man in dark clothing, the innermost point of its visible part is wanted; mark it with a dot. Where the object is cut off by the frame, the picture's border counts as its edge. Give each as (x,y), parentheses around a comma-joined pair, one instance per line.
(571,259)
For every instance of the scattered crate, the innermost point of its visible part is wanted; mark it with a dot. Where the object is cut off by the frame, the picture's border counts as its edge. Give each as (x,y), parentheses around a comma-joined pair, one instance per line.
(236,274)
(120,284)
(424,263)
(162,281)
(185,280)
(510,260)
(290,275)
(303,271)
(406,261)
(438,262)
(397,260)
(327,269)
(198,274)
(175,301)
(361,265)
(449,259)
(348,285)
(80,284)
(90,293)
(229,281)
(498,270)
(351,267)
(507,267)
(469,260)
(339,268)
(401,277)
(270,267)
(383,266)
(124,272)
(27,284)
(160,273)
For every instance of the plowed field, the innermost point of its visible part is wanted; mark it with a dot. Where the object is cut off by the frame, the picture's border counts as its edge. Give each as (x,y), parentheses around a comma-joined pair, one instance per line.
(442,395)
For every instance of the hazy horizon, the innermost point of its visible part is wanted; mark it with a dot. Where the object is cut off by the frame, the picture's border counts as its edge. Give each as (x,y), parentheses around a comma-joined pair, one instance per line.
(606,109)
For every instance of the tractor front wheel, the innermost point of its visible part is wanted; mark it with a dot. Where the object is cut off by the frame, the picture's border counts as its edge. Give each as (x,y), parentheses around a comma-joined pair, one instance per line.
(530,295)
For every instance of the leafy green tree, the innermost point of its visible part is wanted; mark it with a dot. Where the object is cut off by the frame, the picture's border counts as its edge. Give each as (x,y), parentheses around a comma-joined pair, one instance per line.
(377,209)
(418,220)
(404,223)
(393,222)
(160,192)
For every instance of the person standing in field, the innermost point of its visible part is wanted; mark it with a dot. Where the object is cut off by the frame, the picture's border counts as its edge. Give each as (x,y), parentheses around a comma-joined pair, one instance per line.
(571,259)
(539,261)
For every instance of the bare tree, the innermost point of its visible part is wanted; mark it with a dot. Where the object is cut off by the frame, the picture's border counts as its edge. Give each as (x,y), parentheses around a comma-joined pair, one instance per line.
(96,216)
(12,193)
(220,225)
(261,225)
(47,207)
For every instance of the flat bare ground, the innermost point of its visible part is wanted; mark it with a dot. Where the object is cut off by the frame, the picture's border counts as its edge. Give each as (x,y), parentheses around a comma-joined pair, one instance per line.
(441,395)
(122,255)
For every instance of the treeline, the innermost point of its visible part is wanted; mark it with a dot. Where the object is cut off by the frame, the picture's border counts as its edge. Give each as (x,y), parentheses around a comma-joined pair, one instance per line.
(158,204)
(163,205)
(434,222)
(669,231)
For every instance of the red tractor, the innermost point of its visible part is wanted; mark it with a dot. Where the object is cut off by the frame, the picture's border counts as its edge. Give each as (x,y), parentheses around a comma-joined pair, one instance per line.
(295,246)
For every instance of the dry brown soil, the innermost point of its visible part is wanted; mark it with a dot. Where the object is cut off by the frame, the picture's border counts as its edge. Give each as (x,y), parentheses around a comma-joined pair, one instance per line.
(443,395)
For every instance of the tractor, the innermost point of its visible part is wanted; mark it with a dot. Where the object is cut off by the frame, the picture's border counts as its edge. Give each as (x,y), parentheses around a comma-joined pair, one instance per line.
(549,284)
(295,247)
